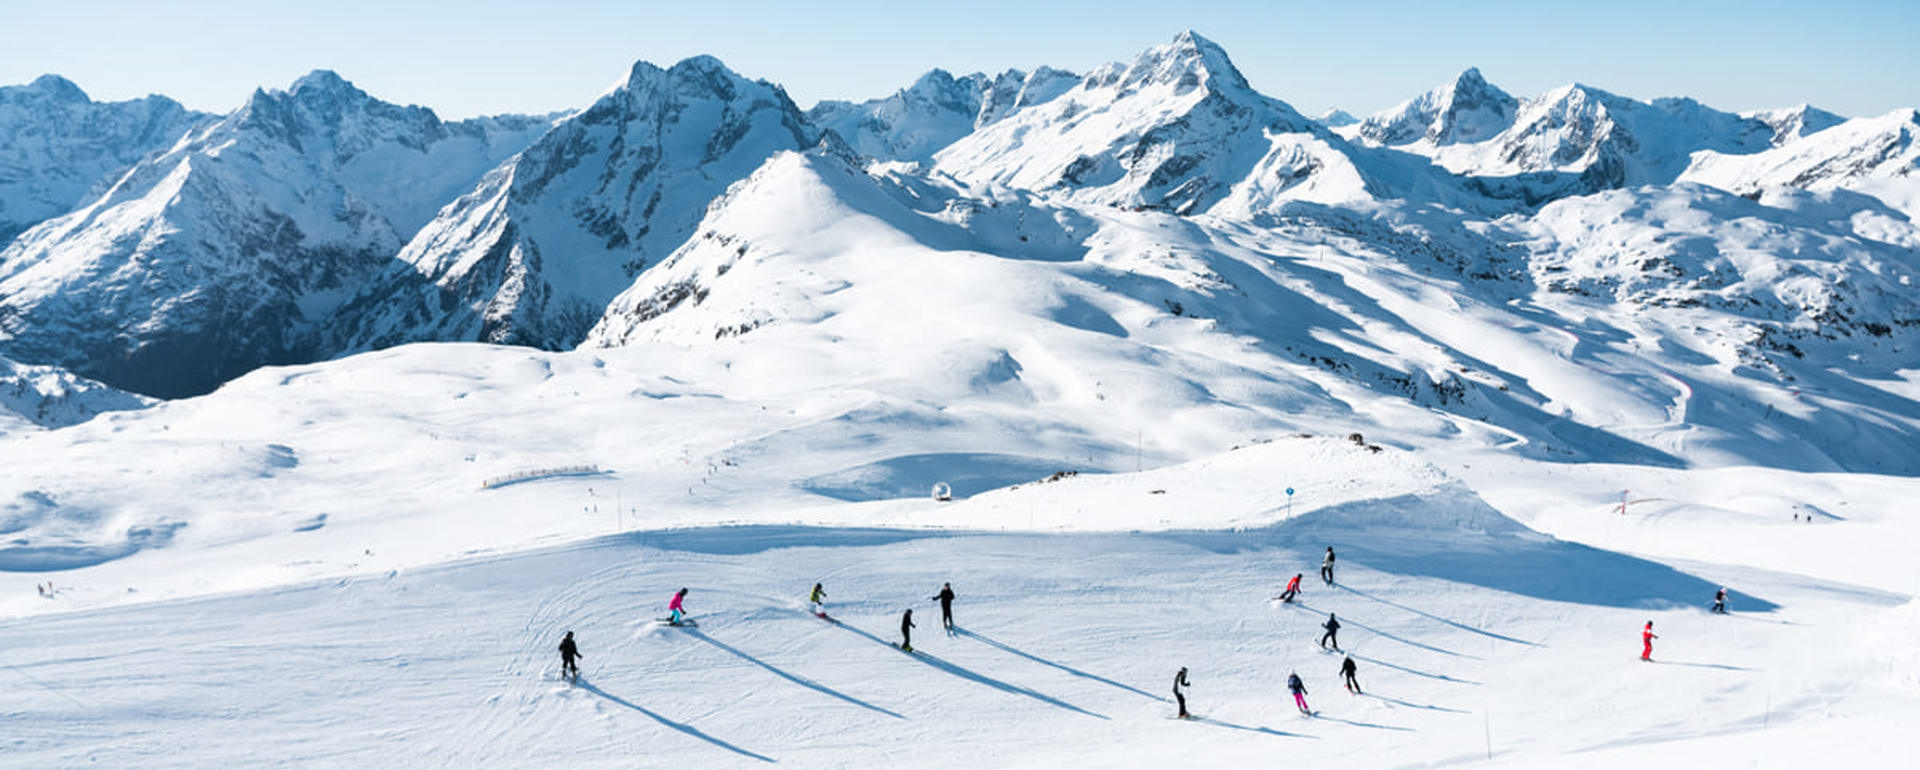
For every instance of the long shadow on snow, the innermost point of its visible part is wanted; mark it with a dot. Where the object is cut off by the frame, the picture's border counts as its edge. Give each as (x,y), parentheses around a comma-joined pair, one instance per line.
(1363,724)
(1398,702)
(1431,616)
(1721,666)
(1043,661)
(796,679)
(1451,534)
(1385,635)
(682,727)
(1415,672)
(969,675)
(1261,729)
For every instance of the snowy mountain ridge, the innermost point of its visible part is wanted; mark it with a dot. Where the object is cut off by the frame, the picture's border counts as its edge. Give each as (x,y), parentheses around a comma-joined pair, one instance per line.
(938,109)
(533,255)
(57,146)
(236,246)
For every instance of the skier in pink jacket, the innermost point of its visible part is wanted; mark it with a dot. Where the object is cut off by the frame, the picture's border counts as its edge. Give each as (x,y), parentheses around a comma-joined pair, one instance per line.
(676,609)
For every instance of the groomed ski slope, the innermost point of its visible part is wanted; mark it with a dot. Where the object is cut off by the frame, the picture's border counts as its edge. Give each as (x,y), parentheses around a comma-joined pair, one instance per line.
(1475,637)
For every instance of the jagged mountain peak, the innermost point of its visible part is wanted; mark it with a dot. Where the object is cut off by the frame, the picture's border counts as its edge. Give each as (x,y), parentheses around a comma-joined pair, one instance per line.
(1463,110)
(323,81)
(1187,62)
(1791,123)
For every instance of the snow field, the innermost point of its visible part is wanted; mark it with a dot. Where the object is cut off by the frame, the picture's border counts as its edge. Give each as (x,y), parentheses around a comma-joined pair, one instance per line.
(1067,648)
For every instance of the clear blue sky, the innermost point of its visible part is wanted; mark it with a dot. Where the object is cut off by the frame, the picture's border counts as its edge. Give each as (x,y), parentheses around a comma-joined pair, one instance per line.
(1856,57)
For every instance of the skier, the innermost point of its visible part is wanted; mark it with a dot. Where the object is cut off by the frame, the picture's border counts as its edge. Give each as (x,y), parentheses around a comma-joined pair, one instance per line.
(1180,681)
(1720,601)
(946,605)
(906,631)
(1646,640)
(1299,689)
(676,608)
(1347,670)
(568,652)
(1293,589)
(1333,632)
(819,600)
(1326,567)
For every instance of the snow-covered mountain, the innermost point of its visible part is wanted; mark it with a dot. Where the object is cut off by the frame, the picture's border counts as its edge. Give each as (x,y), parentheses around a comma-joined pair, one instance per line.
(57,146)
(923,118)
(230,250)
(49,397)
(1857,153)
(1466,110)
(1791,123)
(1174,130)
(535,252)
(1573,140)
(1336,118)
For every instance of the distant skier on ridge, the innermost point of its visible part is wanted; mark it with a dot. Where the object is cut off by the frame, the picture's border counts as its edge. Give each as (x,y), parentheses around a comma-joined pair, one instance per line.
(1326,567)
(568,652)
(1333,632)
(946,606)
(1646,641)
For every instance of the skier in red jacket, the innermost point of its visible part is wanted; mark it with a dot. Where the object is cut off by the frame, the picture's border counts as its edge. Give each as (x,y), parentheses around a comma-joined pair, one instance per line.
(1646,640)
(1293,589)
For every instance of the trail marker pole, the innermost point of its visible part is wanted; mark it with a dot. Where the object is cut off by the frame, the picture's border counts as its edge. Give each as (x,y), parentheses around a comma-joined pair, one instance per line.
(1289,502)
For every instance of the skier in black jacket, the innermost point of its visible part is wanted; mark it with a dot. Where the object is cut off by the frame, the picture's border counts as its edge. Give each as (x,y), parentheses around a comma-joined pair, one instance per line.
(1347,670)
(568,652)
(1333,632)
(906,631)
(1180,681)
(946,605)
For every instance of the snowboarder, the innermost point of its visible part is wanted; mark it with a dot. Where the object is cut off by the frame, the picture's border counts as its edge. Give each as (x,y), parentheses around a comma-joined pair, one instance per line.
(676,608)
(1293,589)
(906,631)
(1299,690)
(818,598)
(1347,670)
(1326,567)
(946,606)
(1720,601)
(1179,682)
(1333,632)
(568,652)
(1646,640)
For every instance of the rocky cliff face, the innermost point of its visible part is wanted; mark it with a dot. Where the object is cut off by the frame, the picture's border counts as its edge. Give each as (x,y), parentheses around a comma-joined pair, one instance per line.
(57,146)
